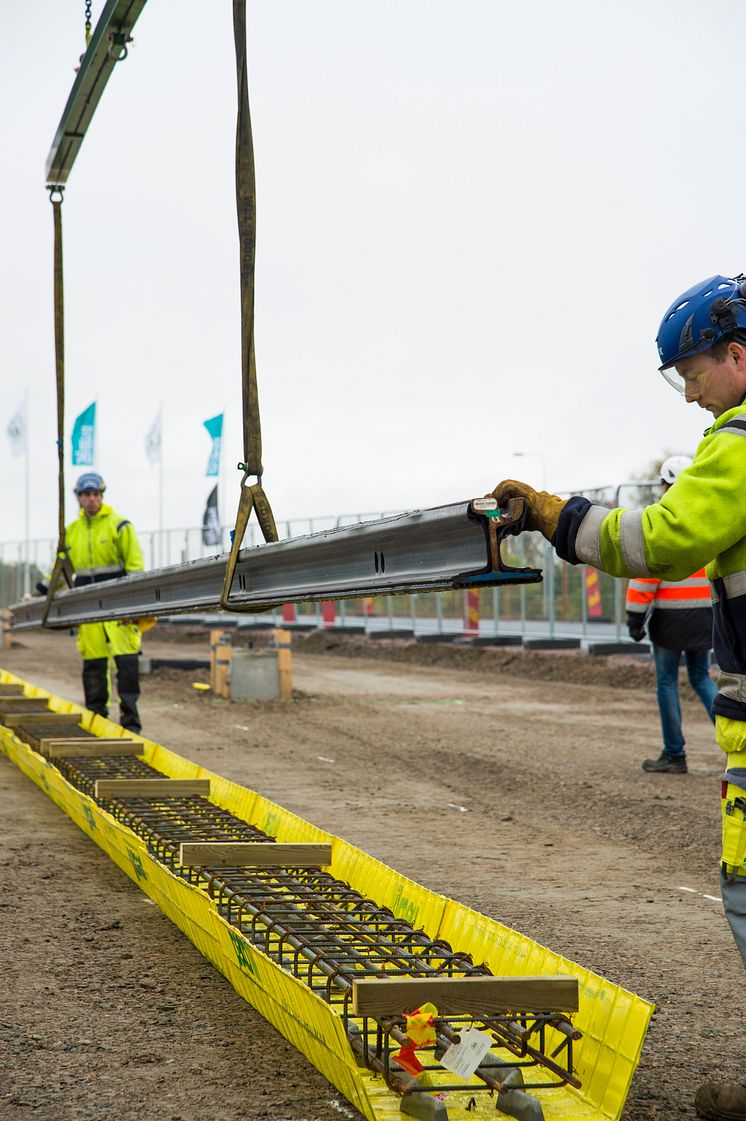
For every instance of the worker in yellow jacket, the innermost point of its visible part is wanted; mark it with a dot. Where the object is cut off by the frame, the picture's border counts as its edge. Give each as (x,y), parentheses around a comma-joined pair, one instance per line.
(102,545)
(678,616)
(700,521)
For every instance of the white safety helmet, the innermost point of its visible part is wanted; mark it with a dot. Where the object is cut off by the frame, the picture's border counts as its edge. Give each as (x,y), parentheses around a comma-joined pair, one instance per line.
(670,467)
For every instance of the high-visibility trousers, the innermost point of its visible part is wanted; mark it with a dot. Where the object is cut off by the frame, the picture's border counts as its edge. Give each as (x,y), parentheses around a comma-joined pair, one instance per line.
(731,736)
(107,640)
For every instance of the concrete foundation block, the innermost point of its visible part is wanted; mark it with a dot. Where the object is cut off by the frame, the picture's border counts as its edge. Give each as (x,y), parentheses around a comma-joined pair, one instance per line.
(551,643)
(254,676)
(603,648)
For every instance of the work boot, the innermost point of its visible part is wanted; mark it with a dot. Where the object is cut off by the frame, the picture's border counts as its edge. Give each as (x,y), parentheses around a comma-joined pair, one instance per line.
(670,764)
(721,1101)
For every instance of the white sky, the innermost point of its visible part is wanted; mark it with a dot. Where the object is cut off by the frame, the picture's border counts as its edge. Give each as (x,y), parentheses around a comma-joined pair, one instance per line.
(471,217)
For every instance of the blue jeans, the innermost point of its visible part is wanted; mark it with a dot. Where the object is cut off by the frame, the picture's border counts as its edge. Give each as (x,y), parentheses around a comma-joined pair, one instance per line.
(667,691)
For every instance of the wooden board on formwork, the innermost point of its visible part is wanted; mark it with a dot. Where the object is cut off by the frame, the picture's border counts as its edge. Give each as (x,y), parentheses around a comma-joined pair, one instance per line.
(90,748)
(254,854)
(21,703)
(8,690)
(30,719)
(151,787)
(472,995)
(21,712)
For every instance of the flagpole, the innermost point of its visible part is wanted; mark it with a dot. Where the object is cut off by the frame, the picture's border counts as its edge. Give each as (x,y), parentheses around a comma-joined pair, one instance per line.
(27,502)
(222,497)
(160,489)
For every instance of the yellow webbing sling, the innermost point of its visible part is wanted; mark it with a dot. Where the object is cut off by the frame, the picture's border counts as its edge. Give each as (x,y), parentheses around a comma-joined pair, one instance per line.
(62,569)
(252,496)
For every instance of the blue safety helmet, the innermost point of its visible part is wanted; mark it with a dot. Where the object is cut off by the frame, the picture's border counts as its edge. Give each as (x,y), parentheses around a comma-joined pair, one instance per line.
(90,481)
(700,318)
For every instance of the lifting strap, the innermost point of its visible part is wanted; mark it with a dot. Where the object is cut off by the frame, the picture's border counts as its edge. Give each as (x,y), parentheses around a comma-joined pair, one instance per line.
(62,569)
(252,496)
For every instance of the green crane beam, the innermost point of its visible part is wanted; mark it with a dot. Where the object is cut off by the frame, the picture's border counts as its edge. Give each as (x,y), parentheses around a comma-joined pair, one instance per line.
(108,46)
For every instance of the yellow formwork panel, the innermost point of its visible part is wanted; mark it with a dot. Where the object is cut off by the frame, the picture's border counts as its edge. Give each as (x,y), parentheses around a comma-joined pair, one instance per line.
(613,1021)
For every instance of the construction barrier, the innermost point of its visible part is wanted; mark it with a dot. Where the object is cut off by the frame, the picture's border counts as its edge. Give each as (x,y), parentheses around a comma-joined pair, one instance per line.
(471,613)
(612,1020)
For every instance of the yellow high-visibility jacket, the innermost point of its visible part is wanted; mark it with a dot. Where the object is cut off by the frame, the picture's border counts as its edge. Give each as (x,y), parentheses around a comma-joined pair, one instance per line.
(102,547)
(700,521)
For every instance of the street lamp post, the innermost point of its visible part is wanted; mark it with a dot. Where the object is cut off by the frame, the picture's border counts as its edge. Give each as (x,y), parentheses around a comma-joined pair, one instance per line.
(534,455)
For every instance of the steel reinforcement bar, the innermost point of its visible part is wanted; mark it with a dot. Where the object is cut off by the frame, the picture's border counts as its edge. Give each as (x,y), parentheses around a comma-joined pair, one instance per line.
(455,546)
(320,931)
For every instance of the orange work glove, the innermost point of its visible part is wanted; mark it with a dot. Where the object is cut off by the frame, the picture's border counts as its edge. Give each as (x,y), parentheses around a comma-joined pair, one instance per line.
(542,509)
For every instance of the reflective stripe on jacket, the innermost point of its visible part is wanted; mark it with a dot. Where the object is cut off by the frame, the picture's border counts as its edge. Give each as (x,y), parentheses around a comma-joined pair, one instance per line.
(700,521)
(102,547)
(680,611)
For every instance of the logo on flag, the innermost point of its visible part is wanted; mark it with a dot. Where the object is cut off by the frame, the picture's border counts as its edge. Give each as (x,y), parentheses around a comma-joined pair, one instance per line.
(153,442)
(17,431)
(211,531)
(214,427)
(83,440)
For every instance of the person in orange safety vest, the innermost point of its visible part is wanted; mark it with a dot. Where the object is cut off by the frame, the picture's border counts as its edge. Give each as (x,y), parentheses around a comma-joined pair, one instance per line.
(679,621)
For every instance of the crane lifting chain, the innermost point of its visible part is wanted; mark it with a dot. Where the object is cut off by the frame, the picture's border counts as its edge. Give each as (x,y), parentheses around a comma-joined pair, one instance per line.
(252,495)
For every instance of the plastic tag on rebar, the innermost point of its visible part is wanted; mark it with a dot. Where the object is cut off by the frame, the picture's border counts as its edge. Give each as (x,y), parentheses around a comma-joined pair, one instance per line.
(463,1058)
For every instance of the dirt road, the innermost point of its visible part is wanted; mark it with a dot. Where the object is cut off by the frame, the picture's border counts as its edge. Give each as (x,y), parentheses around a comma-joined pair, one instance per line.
(520,796)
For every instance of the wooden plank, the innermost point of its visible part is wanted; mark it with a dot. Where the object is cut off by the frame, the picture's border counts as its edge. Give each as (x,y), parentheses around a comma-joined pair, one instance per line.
(48,717)
(221,653)
(283,641)
(254,854)
(151,787)
(19,701)
(471,995)
(28,712)
(11,690)
(87,749)
(85,738)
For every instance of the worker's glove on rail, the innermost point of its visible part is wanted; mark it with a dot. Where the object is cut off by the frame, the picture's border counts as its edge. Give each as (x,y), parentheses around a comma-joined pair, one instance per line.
(542,509)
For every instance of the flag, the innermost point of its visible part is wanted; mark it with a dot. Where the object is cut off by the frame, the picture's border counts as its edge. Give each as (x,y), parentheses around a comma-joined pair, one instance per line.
(17,431)
(214,427)
(153,442)
(84,432)
(211,531)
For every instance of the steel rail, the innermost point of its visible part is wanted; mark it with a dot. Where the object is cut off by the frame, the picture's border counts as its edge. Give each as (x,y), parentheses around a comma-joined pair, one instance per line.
(455,546)
(108,46)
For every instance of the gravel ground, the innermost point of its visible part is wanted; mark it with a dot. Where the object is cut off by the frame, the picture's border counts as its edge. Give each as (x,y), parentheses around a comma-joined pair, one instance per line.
(509,781)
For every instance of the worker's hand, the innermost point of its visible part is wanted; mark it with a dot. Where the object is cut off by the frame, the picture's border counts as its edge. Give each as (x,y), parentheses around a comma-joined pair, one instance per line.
(145,622)
(637,631)
(41,589)
(542,509)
